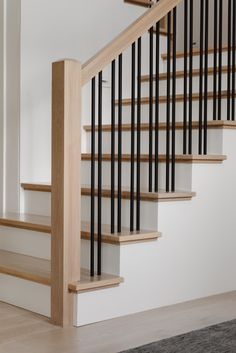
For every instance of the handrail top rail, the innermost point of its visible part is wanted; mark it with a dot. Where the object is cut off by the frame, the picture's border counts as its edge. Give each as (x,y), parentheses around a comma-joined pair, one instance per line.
(117,46)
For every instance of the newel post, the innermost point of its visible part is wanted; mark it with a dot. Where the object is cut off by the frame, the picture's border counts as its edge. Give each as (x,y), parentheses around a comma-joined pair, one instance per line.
(66,157)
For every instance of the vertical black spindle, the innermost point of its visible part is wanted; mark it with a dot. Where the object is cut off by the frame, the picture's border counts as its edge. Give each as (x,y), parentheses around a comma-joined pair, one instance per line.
(206,77)
(229,58)
(99,245)
(138,133)
(233,60)
(119,196)
(201,76)
(168,103)
(133,79)
(185,76)
(113,93)
(157,106)
(150,106)
(220,57)
(215,58)
(190,117)
(173,101)
(92,215)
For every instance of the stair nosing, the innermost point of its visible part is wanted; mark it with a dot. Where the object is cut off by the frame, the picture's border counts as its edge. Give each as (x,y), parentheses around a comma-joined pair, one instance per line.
(179,98)
(196,52)
(180,74)
(212,124)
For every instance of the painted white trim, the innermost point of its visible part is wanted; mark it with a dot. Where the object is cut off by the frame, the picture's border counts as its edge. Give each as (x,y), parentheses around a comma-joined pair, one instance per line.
(11,115)
(2,98)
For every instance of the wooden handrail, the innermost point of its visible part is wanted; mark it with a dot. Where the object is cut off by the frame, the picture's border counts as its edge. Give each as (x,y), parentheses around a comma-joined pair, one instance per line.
(111,51)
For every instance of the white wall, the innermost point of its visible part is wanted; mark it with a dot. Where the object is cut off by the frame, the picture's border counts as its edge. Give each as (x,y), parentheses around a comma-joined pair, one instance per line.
(52,30)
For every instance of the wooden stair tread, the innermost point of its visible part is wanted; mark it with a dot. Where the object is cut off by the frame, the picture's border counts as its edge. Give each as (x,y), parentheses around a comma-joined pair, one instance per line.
(196,51)
(180,74)
(162,158)
(144,3)
(39,271)
(213,124)
(179,98)
(144,195)
(125,237)
(25,267)
(26,221)
(88,283)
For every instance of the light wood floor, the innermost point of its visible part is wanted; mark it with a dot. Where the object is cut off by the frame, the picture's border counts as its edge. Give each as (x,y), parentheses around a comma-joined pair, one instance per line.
(24,332)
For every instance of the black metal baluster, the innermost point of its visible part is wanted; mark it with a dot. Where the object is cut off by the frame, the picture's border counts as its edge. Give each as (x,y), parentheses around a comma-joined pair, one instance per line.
(157,106)
(99,245)
(150,106)
(201,76)
(190,116)
(138,133)
(185,76)
(220,57)
(233,60)
(229,59)
(215,58)
(119,201)
(173,101)
(206,77)
(168,103)
(113,93)
(92,205)
(133,79)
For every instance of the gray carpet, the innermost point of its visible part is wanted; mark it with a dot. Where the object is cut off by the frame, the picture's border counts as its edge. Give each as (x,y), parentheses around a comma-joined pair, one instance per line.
(214,339)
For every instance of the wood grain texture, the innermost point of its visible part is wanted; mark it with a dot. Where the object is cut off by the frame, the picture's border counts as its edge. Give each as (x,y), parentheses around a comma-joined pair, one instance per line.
(125,237)
(26,221)
(66,144)
(179,98)
(144,195)
(196,52)
(25,332)
(213,124)
(88,283)
(25,267)
(111,51)
(143,3)
(144,158)
(37,223)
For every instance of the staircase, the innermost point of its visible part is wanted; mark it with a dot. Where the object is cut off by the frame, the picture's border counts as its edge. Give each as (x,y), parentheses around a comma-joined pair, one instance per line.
(163,132)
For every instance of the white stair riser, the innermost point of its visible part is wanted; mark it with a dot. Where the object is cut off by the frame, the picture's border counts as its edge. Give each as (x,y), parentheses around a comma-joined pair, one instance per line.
(25,294)
(126,117)
(25,242)
(183,175)
(148,211)
(110,257)
(180,85)
(214,142)
(40,204)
